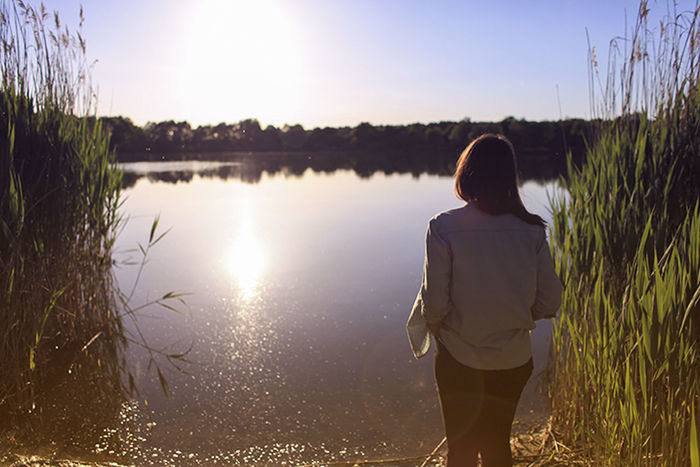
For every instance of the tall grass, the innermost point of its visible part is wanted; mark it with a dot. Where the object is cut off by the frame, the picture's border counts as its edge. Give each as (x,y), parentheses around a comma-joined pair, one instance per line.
(59,194)
(626,376)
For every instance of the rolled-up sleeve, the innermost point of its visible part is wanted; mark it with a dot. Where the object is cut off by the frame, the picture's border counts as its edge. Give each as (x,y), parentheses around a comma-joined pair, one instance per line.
(437,270)
(549,289)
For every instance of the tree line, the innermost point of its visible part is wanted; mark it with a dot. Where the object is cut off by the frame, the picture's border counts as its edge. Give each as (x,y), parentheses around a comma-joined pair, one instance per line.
(541,146)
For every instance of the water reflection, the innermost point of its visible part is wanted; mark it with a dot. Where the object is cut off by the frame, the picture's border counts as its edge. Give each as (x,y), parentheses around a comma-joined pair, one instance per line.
(246,258)
(250,168)
(300,290)
(75,403)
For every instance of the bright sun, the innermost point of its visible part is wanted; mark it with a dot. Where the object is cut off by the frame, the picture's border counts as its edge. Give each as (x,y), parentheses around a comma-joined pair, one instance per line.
(241,53)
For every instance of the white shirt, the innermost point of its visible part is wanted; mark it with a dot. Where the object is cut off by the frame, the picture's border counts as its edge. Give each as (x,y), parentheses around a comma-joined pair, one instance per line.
(486,280)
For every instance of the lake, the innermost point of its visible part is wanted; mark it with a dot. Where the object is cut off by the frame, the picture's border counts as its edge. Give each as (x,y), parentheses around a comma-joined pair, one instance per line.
(299,286)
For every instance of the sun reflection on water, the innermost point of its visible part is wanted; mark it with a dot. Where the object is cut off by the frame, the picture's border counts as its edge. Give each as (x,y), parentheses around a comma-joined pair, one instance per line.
(246,259)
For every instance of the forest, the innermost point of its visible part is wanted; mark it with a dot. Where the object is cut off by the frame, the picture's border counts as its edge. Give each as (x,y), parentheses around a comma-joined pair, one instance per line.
(432,147)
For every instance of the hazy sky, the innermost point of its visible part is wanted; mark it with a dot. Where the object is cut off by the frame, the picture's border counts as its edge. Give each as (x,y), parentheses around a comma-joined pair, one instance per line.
(326,62)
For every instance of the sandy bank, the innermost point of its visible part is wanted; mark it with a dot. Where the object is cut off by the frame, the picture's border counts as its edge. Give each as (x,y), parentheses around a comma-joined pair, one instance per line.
(532,446)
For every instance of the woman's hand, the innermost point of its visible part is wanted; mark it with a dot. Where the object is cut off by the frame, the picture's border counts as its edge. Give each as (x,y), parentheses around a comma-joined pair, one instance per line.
(434,329)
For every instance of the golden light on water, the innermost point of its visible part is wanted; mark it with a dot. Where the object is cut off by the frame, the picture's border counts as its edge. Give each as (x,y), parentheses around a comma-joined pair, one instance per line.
(246,260)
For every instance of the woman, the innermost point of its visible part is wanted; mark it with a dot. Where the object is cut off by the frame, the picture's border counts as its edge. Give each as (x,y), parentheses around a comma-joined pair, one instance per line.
(488,276)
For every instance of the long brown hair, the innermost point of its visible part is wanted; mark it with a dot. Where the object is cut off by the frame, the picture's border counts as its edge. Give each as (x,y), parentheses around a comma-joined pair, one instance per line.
(487,175)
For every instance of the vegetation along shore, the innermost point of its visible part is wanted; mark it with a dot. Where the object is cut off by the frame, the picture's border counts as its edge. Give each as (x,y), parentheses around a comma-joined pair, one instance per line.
(61,317)
(625,382)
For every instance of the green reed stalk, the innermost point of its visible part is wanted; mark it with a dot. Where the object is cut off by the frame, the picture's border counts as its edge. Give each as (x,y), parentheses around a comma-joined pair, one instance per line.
(626,376)
(59,193)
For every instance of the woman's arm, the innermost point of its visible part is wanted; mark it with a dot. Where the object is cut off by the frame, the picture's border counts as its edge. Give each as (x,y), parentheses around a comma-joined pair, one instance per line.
(437,271)
(548,297)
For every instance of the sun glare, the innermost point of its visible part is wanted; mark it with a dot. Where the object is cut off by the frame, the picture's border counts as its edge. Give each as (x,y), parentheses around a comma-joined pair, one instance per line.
(241,54)
(246,259)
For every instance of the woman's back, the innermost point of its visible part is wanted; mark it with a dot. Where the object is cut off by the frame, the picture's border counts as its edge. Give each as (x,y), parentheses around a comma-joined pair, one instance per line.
(487,278)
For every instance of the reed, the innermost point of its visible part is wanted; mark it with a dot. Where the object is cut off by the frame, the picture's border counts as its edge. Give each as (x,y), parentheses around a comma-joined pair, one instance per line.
(626,374)
(59,194)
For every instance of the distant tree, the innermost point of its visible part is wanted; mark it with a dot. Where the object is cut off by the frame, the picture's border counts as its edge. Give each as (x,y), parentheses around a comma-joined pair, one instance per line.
(363,136)
(201,138)
(416,137)
(325,139)
(247,133)
(124,135)
(270,140)
(293,137)
(435,136)
(458,136)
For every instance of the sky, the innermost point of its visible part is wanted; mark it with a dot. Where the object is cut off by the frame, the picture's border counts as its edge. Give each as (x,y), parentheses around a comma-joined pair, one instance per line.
(339,63)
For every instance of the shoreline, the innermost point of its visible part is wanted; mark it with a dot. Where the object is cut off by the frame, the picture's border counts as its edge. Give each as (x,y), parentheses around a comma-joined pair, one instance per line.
(533,444)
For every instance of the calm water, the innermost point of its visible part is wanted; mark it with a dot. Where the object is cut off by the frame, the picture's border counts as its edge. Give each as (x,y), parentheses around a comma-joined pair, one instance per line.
(299,287)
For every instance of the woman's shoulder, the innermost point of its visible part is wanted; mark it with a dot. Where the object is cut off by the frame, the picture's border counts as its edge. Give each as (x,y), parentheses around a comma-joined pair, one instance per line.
(470,217)
(451,215)
(467,217)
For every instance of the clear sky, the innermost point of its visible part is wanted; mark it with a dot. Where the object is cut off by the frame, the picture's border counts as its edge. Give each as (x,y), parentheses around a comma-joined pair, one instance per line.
(335,63)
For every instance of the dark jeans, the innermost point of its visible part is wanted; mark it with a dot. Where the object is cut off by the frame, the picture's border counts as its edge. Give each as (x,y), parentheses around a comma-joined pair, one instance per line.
(478,407)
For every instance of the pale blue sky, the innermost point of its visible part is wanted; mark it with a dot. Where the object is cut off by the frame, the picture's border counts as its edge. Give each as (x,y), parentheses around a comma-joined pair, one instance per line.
(336,63)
